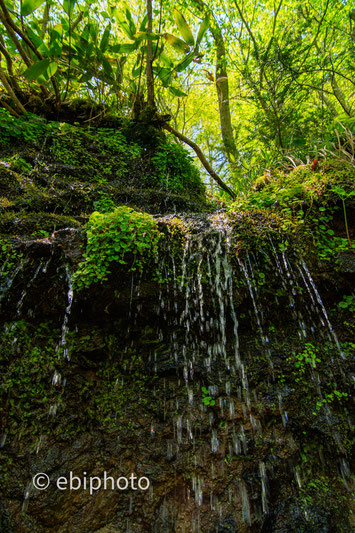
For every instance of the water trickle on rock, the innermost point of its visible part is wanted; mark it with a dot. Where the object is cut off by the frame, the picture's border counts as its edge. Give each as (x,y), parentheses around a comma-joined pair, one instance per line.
(223,400)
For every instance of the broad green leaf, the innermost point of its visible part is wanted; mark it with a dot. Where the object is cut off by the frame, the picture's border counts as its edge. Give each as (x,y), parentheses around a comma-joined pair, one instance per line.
(36,40)
(144,36)
(165,60)
(36,70)
(105,38)
(184,27)
(176,92)
(43,49)
(164,74)
(143,26)
(57,31)
(123,23)
(203,28)
(185,62)
(136,71)
(107,67)
(124,48)
(68,6)
(94,31)
(29,6)
(177,43)
(52,69)
(130,20)
(55,50)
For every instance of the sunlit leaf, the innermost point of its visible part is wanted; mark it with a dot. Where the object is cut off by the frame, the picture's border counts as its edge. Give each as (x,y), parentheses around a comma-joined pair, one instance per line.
(203,28)
(165,60)
(185,63)
(68,6)
(107,67)
(36,70)
(124,48)
(105,38)
(143,26)
(130,20)
(52,69)
(144,36)
(123,23)
(184,27)
(28,6)
(176,43)
(57,31)
(177,92)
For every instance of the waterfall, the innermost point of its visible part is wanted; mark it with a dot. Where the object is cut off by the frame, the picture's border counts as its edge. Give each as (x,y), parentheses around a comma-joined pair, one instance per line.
(219,412)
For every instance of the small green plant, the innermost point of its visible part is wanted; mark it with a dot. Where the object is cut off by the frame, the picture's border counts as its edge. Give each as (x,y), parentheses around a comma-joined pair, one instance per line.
(344,195)
(9,259)
(206,398)
(105,204)
(123,236)
(304,359)
(29,128)
(348,303)
(330,398)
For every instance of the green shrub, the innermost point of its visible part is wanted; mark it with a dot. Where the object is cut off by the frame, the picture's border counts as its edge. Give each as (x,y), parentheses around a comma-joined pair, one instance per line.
(173,169)
(123,236)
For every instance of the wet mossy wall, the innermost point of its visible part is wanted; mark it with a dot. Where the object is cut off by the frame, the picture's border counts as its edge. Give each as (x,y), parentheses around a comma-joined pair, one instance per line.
(54,170)
(117,378)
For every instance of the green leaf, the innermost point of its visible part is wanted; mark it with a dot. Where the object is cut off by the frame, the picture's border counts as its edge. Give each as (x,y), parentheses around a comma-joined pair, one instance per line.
(143,35)
(143,25)
(38,69)
(203,28)
(165,60)
(55,50)
(105,38)
(29,6)
(125,48)
(107,67)
(176,92)
(176,43)
(36,39)
(185,62)
(68,6)
(52,69)
(131,23)
(123,24)
(184,27)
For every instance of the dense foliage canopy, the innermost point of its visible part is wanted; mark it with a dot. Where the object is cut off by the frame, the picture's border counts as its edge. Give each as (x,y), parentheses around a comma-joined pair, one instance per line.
(254,83)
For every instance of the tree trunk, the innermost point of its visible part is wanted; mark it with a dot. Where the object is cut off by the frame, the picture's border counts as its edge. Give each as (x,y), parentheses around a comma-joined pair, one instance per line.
(222,86)
(150,77)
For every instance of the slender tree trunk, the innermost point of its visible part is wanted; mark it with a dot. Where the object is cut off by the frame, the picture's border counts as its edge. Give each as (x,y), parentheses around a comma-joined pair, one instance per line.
(150,77)
(222,86)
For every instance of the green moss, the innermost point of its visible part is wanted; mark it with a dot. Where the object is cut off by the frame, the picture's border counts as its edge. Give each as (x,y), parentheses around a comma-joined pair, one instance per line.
(299,186)
(33,224)
(100,155)
(28,359)
(306,203)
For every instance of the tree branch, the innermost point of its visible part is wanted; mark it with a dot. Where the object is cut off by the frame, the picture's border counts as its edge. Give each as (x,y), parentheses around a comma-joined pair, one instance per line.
(202,158)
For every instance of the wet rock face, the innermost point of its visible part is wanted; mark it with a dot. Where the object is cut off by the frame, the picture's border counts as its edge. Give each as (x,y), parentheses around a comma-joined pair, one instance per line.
(346,261)
(210,384)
